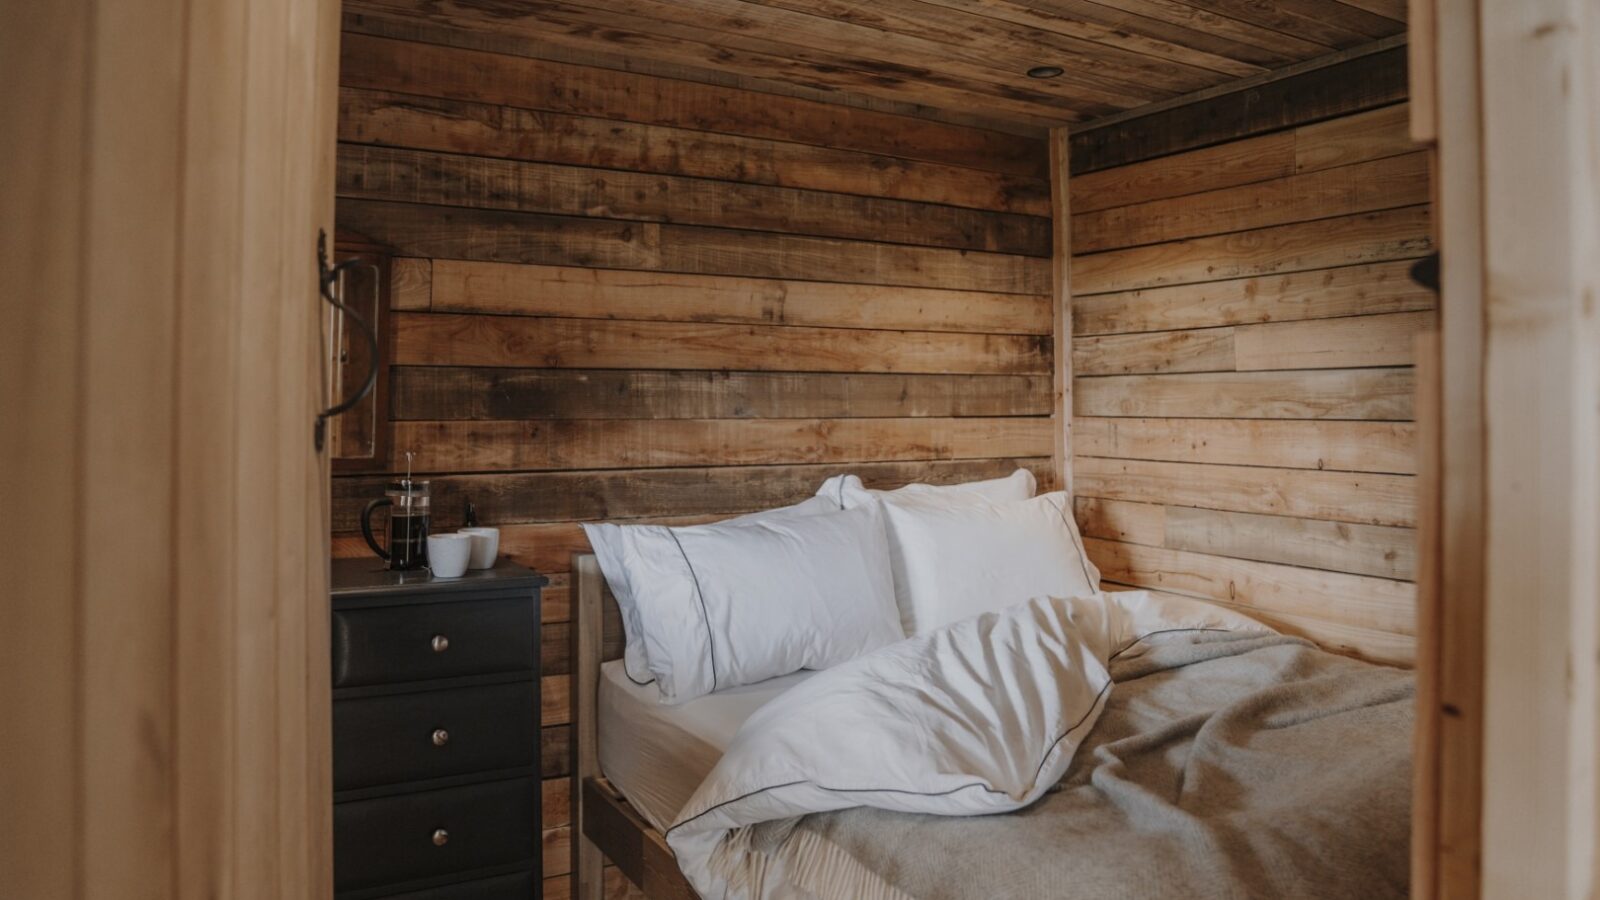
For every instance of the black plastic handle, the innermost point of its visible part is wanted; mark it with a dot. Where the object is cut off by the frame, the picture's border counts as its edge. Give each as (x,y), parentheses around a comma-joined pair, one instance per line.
(366,525)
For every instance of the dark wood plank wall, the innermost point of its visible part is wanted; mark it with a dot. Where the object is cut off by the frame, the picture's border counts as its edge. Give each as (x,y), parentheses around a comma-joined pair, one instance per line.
(1243,328)
(627,297)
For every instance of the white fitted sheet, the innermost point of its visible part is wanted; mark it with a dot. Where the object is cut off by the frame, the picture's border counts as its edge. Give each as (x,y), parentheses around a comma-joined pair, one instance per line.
(657,755)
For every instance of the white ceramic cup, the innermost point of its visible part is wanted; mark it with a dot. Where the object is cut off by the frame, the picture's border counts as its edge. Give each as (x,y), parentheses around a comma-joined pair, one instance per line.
(485,546)
(448,554)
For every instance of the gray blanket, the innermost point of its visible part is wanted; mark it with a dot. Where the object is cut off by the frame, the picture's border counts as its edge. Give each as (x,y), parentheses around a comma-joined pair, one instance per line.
(1221,768)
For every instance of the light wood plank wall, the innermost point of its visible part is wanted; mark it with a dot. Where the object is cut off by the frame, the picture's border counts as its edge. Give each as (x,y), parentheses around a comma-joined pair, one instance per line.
(1243,332)
(627,297)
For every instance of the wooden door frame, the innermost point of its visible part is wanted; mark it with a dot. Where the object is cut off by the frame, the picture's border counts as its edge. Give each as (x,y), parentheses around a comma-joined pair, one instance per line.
(167,165)
(1510,95)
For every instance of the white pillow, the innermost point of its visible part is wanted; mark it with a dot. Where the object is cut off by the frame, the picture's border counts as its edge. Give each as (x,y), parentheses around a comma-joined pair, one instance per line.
(728,604)
(849,492)
(957,557)
(606,541)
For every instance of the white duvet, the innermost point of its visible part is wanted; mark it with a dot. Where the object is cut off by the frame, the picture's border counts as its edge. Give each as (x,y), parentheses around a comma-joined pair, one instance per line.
(980,717)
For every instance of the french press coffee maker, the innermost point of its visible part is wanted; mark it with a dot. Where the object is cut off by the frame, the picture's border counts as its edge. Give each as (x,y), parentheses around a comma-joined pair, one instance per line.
(408,503)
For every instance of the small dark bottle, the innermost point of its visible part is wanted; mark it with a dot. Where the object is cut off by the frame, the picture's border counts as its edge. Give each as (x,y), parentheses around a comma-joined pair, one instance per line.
(471,520)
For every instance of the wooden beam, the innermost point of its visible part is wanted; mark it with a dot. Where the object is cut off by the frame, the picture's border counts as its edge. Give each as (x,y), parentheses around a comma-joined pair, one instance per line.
(1353,85)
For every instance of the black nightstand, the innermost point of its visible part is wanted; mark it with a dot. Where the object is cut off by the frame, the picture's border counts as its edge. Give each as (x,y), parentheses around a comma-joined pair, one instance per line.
(436,733)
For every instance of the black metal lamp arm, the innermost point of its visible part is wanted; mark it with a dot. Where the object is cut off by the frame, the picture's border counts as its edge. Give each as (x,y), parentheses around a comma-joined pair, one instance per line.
(327,276)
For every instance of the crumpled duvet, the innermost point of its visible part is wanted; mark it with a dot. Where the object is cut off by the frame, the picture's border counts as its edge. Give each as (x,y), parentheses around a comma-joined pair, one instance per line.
(981,717)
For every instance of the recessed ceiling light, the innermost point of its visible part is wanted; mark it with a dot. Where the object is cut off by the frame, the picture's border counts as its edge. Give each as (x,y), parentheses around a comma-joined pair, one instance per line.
(1045,71)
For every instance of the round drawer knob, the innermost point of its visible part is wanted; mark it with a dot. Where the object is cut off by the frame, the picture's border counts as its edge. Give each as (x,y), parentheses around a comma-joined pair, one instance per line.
(440,643)
(440,737)
(440,837)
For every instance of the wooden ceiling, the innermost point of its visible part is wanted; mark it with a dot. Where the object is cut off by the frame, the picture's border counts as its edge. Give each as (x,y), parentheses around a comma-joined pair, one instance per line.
(966,57)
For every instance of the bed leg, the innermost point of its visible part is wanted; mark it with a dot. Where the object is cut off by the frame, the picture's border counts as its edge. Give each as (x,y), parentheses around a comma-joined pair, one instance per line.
(587,636)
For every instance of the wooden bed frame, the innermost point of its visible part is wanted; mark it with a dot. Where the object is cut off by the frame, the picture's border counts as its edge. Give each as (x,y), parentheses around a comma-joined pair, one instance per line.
(604,825)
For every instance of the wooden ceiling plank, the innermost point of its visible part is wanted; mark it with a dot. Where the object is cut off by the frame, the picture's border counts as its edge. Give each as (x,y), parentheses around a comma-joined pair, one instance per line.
(1112,69)
(1029,44)
(1323,21)
(1397,10)
(1289,47)
(580,28)
(378,23)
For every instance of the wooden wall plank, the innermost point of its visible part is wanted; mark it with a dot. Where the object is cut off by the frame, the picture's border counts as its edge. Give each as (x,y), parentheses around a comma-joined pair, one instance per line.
(1350,139)
(1346,240)
(516,237)
(1120,520)
(411,284)
(1335,343)
(1372,394)
(415,68)
(477,446)
(481,129)
(488,287)
(1368,498)
(1377,550)
(1337,142)
(724,251)
(1366,643)
(1194,350)
(1365,289)
(1378,604)
(468,340)
(1350,446)
(397,174)
(1355,341)
(428,392)
(626,493)
(1378,184)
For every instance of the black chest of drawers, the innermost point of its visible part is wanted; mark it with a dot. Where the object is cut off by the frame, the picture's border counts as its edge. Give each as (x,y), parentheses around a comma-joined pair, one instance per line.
(436,733)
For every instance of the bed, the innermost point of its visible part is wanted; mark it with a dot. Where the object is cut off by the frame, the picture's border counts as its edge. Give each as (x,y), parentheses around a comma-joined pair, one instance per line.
(1297,783)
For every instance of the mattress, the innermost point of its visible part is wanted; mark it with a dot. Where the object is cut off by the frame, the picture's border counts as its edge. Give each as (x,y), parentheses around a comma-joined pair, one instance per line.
(657,755)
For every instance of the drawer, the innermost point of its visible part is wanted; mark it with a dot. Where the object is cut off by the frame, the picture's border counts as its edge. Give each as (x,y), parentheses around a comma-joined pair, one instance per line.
(507,887)
(392,840)
(433,640)
(411,737)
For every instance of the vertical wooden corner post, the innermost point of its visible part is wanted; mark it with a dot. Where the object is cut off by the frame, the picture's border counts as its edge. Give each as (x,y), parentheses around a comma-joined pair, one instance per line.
(1061,291)
(1510,742)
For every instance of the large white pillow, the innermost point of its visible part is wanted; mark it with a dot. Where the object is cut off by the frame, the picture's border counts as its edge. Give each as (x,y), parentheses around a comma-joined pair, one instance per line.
(957,557)
(606,541)
(735,603)
(848,491)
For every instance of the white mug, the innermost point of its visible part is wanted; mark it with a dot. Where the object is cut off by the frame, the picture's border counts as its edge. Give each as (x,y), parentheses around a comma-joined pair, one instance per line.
(485,546)
(448,554)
